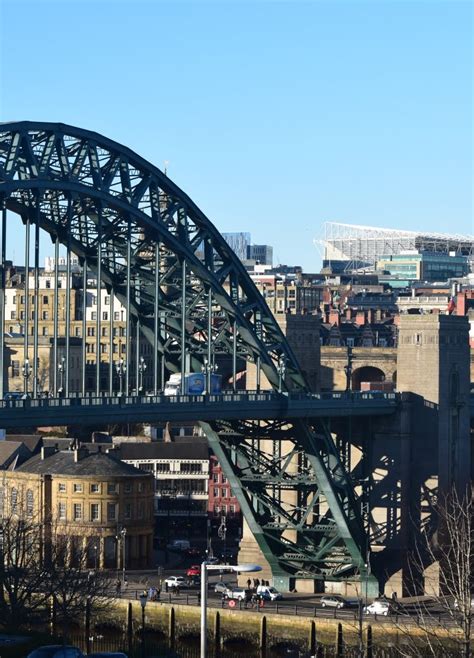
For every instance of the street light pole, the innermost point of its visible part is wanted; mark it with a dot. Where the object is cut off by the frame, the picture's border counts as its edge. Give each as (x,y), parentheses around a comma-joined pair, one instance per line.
(121,370)
(123,532)
(281,369)
(26,375)
(61,375)
(141,372)
(205,567)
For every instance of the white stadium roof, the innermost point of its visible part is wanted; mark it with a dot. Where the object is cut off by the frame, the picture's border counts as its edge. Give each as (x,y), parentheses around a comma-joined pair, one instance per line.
(356,242)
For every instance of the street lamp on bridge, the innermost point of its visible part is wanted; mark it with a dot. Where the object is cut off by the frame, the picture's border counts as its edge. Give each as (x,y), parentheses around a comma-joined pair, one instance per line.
(141,372)
(208,369)
(61,370)
(26,375)
(281,369)
(121,370)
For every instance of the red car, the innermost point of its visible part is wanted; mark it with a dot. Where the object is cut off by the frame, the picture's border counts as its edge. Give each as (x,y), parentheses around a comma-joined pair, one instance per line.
(194,570)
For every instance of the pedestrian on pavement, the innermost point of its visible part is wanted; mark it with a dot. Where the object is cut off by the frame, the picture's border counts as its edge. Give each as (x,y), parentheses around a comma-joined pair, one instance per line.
(249,583)
(118,586)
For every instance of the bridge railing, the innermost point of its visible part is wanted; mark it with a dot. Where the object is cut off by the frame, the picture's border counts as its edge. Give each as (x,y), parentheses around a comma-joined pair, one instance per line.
(76,400)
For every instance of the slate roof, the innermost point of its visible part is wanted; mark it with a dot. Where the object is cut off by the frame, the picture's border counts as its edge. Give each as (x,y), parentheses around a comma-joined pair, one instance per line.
(98,464)
(7,450)
(32,441)
(162,450)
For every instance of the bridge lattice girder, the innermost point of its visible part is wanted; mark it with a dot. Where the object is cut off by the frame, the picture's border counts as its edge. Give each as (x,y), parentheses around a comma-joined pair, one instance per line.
(160,256)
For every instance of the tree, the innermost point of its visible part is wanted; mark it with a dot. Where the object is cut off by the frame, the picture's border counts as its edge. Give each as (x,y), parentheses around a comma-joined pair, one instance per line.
(39,563)
(445,624)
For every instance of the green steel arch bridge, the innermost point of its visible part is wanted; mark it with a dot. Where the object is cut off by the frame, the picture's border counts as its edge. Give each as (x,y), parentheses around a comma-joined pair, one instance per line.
(185,292)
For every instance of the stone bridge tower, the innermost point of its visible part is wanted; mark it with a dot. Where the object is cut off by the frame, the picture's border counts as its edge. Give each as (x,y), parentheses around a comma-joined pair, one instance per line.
(433,363)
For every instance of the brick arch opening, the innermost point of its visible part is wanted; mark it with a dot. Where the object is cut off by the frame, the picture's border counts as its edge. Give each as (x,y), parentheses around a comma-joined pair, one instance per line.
(366,374)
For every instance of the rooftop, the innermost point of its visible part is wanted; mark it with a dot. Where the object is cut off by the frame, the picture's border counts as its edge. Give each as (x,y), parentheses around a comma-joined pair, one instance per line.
(79,463)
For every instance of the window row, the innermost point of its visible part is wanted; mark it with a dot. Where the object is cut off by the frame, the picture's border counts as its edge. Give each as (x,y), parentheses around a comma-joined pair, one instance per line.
(216,477)
(130,511)
(19,502)
(96,487)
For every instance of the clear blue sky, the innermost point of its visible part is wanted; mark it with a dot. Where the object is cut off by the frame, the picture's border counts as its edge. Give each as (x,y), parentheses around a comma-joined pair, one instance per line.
(274,116)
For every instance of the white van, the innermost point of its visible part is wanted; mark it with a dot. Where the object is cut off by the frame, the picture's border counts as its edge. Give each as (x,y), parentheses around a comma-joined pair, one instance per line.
(269,593)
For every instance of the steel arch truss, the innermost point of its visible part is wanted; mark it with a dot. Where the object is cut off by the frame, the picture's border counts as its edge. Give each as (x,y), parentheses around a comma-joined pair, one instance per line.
(192,298)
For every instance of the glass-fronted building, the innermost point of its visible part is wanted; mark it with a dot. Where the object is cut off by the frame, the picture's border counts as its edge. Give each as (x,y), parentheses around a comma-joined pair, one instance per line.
(422,266)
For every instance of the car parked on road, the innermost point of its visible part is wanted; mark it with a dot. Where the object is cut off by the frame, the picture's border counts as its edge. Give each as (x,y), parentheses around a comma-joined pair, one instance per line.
(56,651)
(235,593)
(175,581)
(378,608)
(336,601)
(221,588)
(194,570)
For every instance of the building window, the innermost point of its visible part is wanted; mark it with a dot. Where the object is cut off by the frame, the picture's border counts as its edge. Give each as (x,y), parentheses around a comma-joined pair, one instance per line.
(140,510)
(62,487)
(216,492)
(95,488)
(224,509)
(94,300)
(111,488)
(162,467)
(232,509)
(217,509)
(140,486)
(45,315)
(111,512)
(62,511)
(224,479)
(128,510)
(14,501)
(29,503)
(77,511)
(13,315)
(128,487)
(95,512)
(48,283)
(15,368)
(215,478)
(77,488)
(94,315)
(190,468)
(45,299)
(224,493)
(146,467)
(116,315)
(77,332)
(105,315)
(107,300)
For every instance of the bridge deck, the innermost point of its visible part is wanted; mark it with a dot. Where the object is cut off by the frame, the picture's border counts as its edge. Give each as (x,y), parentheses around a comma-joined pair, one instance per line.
(227,406)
